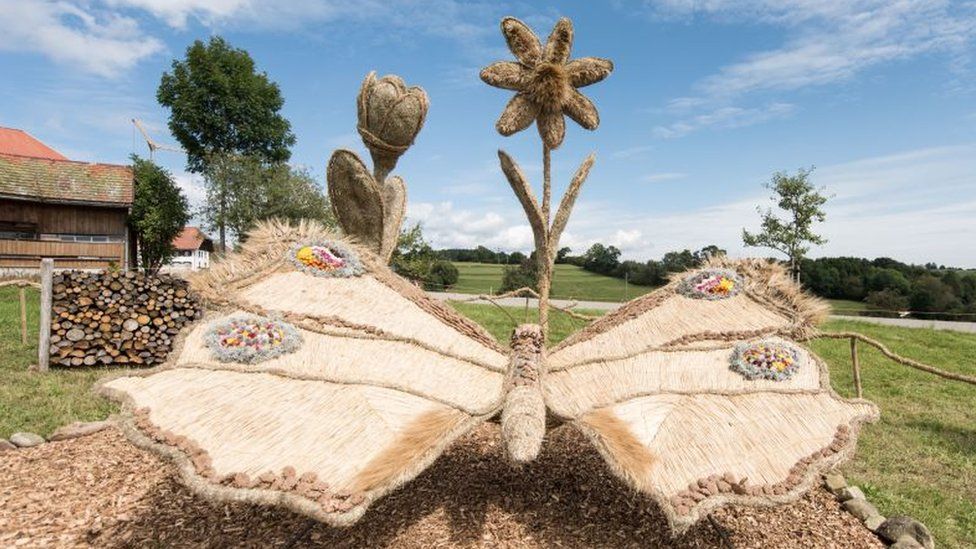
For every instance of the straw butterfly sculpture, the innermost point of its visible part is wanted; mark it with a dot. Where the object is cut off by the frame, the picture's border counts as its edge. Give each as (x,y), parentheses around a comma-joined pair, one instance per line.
(320,380)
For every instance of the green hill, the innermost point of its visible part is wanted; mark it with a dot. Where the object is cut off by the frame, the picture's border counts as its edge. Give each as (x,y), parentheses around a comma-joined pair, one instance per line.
(568,282)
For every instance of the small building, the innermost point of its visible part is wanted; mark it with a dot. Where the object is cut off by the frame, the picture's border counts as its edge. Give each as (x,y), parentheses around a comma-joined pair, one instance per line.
(193,249)
(73,212)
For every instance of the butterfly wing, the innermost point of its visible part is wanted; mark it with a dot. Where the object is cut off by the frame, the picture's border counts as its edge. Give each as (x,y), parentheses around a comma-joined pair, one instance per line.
(699,394)
(312,386)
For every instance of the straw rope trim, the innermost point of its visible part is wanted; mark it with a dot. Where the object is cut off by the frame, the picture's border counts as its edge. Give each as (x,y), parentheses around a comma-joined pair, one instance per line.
(311,497)
(690,286)
(805,475)
(224,351)
(351,265)
(680,344)
(822,368)
(315,323)
(437,309)
(740,363)
(263,494)
(265,252)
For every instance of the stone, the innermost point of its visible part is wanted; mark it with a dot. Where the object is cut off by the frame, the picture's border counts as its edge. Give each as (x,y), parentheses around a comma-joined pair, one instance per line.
(835,482)
(860,508)
(894,528)
(851,492)
(873,522)
(26,440)
(906,542)
(6,445)
(79,429)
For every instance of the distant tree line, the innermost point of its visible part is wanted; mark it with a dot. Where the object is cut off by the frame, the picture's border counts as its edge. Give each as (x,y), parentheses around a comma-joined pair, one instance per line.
(891,285)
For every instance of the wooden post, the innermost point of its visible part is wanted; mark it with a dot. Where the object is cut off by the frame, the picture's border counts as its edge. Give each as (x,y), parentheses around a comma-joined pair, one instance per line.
(23,315)
(44,339)
(857,368)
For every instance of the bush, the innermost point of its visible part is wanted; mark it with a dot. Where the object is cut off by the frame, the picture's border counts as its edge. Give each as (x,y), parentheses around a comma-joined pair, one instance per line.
(443,273)
(888,300)
(524,275)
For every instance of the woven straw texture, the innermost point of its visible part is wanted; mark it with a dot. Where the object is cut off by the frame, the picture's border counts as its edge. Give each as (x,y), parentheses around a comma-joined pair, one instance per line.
(386,378)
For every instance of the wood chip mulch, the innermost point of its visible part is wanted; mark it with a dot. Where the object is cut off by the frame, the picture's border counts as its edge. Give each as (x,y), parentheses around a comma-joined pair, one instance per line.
(99,490)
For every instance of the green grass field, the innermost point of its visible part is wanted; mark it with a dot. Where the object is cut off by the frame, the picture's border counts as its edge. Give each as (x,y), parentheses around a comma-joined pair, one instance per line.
(568,282)
(919,460)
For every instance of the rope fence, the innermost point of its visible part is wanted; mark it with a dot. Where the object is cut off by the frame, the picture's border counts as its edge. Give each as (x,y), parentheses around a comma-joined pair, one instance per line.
(854,337)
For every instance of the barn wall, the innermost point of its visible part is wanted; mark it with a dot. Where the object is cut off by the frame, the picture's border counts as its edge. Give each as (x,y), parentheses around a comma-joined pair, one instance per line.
(64,218)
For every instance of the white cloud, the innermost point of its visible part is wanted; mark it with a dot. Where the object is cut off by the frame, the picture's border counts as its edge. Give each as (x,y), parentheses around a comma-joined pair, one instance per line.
(632,151)
(91,39)
(829,42)
(724,117)
(915,206)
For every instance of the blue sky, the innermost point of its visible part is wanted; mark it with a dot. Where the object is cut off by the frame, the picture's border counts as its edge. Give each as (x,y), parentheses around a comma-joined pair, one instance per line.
(707,100)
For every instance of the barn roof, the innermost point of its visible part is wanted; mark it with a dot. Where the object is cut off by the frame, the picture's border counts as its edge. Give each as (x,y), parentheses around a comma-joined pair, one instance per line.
(57,180)
(19,142)
(192,238)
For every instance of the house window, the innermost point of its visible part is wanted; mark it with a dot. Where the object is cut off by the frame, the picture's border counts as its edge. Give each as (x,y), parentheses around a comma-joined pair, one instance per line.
(68,237)
(18,231)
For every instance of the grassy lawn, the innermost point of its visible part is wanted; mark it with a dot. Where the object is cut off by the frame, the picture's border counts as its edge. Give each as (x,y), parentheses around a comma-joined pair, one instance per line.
(32,401)
(920,459)
(847,307)
(569,282)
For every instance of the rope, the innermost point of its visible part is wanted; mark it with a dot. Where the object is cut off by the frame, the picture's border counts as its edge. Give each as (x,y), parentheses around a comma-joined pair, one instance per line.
(20,282)
(896,357)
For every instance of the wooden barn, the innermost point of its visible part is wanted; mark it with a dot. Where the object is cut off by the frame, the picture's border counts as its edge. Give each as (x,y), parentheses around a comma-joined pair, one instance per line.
(74,212)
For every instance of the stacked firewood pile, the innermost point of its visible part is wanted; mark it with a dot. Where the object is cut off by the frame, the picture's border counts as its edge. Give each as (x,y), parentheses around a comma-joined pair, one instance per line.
(117,318)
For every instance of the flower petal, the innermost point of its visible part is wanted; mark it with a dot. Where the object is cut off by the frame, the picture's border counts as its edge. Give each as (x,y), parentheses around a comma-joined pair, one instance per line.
(581,110)
(552,128)
(560,42)
(518,115)
(504,74)
(588,70)
(523,43)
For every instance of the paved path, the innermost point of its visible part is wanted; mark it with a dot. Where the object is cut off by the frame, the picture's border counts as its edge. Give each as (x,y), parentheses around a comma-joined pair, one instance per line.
(969,327)
(914,323)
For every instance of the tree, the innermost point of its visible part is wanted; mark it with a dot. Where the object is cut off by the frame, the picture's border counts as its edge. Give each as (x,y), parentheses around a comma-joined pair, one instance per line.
(562,253)
(159,212)
(601,259)
(803,204)
(523,275)
(242,190)
(219,104)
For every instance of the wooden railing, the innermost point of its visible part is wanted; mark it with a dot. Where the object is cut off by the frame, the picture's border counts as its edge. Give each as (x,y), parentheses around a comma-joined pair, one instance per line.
(80,255)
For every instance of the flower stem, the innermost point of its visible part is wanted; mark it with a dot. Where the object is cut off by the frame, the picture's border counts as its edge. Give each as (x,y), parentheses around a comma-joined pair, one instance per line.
(544,257)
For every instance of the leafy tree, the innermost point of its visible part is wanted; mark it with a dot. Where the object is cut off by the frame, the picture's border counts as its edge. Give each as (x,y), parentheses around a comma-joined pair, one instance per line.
(220,104)
(931,294)
(601,259)
(242,190)
(516,258)
(889,279)
(562,253)
(803,204)
(159,212)
(523,275)
(888,300)
(443,274)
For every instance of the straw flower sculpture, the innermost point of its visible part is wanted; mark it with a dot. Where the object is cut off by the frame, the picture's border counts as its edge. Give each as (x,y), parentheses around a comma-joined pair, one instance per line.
(546,82)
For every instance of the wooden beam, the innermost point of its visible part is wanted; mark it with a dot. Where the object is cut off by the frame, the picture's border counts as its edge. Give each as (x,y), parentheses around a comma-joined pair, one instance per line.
(23,314)
(857,368)
(44,338)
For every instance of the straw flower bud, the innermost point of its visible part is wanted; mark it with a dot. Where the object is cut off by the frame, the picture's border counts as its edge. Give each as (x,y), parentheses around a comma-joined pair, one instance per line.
(390,117)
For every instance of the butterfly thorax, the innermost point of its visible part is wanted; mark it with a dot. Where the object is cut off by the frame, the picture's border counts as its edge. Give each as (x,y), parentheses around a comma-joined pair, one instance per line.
(524,412)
